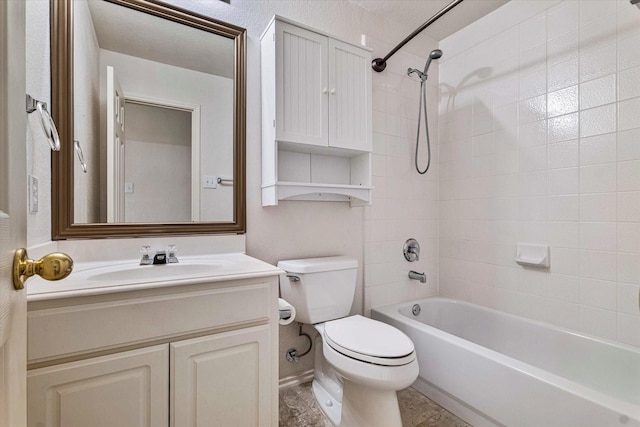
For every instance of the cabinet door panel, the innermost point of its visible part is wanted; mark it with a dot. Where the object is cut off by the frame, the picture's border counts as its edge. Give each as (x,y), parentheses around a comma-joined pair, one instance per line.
(222,380)
(126,389)
(301,98)
(350,96)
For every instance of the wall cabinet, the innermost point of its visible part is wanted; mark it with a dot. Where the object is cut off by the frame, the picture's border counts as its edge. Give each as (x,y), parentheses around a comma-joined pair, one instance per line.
(316,116)
(197,355)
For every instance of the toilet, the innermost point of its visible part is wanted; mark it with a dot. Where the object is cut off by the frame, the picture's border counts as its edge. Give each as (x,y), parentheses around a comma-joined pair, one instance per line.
(360,363)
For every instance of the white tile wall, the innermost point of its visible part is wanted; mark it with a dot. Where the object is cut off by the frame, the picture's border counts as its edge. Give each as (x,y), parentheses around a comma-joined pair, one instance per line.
(552,156)
(405,204)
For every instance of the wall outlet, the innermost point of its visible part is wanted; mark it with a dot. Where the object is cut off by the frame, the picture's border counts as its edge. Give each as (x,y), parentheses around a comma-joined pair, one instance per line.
(33,193)
(128,187)
(209,181)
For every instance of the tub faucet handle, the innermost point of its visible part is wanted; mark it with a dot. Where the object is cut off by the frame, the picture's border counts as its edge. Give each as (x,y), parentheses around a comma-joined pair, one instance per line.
(411,250)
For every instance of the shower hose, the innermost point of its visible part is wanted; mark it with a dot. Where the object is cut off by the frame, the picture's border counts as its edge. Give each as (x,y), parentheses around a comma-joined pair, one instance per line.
(423,106)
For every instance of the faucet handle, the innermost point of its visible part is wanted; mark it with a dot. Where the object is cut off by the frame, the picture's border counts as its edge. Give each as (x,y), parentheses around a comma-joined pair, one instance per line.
(411,250)
(172,250)
(145,251)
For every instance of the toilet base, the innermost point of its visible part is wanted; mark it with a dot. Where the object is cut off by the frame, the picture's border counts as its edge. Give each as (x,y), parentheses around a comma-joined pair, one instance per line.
(331,407)
(361,406)
(369,407)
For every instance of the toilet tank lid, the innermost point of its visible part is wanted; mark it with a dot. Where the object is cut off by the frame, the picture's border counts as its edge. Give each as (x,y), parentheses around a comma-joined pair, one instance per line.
(316,265)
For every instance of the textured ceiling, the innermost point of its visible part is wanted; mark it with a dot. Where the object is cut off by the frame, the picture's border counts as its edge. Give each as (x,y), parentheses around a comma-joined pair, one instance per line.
(413,13)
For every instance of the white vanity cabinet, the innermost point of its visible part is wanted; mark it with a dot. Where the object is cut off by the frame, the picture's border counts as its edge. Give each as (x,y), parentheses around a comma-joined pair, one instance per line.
(124,389)
(218,380)
(316,116)
(198,354)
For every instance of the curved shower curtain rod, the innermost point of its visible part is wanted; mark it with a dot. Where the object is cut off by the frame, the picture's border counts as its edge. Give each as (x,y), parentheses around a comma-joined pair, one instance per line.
(379,64)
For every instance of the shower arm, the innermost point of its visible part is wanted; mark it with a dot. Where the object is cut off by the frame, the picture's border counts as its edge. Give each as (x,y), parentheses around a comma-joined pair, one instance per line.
(379,64)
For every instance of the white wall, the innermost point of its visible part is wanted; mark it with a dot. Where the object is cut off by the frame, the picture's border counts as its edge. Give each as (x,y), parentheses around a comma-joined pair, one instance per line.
(540,121)
(38,85)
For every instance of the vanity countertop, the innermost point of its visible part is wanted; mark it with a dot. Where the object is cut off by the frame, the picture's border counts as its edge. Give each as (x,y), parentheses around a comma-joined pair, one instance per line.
(97,278)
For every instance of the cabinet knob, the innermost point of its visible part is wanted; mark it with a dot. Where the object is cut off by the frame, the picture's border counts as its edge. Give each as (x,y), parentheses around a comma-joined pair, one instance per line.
(325,90)
(333,91)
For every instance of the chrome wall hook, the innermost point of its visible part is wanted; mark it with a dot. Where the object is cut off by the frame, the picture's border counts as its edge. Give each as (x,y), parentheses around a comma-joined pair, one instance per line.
(48,126)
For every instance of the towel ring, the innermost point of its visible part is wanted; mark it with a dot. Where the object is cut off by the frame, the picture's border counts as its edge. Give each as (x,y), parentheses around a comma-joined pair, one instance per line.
(48,126)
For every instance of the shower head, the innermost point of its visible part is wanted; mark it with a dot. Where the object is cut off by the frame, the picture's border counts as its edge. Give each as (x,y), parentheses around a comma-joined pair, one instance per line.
(435,54)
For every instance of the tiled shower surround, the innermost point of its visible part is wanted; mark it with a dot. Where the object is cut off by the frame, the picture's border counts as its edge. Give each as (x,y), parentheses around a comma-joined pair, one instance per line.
(540,142)
(405,204)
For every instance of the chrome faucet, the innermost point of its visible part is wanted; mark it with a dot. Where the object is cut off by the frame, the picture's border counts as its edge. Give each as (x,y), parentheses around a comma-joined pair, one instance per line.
(414,275)
(159,257)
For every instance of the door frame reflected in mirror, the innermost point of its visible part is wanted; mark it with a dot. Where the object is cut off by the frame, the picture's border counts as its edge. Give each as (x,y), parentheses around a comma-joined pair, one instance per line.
(62,174)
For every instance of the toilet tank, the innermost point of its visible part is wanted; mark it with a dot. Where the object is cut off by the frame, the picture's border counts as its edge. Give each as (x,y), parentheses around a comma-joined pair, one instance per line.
(325,288)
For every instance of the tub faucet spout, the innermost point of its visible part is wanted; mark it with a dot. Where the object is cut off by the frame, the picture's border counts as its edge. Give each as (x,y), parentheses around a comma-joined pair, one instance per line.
(418,276)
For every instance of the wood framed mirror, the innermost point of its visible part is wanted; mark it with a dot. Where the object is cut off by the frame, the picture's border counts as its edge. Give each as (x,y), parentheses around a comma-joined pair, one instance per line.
(150,100)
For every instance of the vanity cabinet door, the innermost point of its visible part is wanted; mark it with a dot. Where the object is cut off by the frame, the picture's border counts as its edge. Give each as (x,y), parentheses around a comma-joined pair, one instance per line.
(223,380)
(127,389)
(349,97)
(301,86)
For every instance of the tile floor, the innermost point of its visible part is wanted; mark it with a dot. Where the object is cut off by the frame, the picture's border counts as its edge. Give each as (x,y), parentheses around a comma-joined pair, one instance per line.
(298,408)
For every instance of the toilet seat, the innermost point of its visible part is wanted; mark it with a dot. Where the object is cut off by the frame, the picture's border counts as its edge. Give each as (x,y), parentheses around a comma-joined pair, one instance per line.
(369,340)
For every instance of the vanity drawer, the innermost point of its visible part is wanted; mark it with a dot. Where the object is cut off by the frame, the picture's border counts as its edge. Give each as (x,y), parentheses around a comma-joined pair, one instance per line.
(55,333)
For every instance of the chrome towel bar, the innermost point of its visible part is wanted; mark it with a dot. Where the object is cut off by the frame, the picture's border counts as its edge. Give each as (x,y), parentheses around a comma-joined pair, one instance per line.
(223,181)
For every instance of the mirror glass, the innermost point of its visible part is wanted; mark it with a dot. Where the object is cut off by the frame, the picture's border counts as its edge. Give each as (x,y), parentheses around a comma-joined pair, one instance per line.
(155,119)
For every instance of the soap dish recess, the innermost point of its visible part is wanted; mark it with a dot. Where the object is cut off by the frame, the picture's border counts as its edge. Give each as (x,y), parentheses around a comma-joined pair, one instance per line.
(533,255)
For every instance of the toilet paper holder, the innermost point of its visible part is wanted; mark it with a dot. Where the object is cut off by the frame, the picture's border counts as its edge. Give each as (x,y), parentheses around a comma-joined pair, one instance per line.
(284,314)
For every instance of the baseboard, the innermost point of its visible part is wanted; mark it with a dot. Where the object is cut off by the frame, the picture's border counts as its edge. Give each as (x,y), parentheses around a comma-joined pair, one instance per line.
(293,380)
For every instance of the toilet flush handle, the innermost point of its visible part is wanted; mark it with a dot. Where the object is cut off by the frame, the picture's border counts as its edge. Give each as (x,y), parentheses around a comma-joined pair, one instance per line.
(293,277)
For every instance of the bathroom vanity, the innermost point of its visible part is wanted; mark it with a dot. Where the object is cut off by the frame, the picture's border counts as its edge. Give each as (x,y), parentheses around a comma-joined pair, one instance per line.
(187,344)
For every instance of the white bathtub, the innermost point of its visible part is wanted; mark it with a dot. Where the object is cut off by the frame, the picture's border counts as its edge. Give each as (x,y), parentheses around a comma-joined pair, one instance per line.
(492,368)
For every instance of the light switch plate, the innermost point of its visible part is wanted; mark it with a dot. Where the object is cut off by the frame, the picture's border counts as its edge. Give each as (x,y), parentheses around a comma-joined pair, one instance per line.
(209,181)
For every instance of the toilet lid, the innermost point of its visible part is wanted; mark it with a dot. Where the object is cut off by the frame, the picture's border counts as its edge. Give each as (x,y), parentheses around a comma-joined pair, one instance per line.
(369,340)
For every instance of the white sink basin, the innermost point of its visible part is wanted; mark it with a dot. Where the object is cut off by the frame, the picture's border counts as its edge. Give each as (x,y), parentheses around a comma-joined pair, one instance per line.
(160,271)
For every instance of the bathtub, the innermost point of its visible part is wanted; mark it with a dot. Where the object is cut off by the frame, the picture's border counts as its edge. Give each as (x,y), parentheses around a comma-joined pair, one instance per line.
(495,369)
